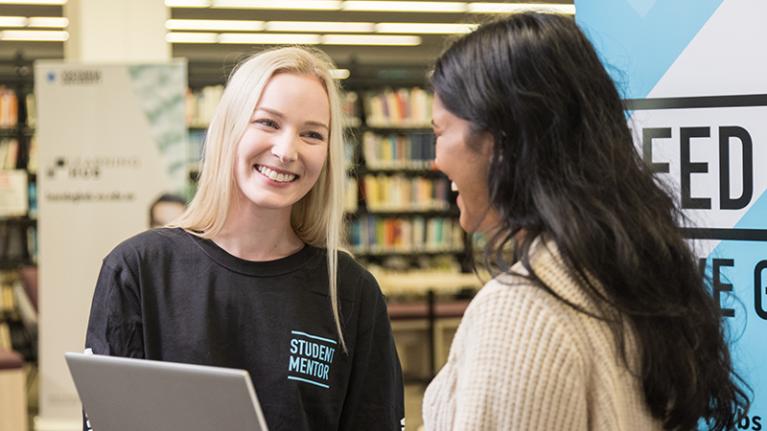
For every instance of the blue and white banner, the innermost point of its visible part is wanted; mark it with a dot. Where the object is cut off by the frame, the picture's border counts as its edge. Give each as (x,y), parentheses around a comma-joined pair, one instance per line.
(694,73)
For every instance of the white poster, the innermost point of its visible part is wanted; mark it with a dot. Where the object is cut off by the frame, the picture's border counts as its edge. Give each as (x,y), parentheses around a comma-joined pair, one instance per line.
(111,140)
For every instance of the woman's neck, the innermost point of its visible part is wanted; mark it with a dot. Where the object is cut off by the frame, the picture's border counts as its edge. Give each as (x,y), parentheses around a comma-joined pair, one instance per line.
(258,234)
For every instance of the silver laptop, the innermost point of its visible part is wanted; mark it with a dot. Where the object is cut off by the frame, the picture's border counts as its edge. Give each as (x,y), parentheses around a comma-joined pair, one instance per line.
(122,394)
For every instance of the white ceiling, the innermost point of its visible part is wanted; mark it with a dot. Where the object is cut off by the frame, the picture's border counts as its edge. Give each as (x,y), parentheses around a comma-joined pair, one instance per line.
(209,63)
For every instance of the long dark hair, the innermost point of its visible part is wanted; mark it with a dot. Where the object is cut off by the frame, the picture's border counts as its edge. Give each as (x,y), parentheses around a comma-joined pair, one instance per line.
(565,167)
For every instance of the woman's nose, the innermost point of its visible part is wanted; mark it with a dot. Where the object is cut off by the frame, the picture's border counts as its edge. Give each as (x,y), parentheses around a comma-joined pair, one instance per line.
(285,147)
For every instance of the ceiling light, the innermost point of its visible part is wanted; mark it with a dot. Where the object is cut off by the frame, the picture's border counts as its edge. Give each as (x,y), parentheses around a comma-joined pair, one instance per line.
(214,24)
(269,39)
(34,36)
(35,2)
(320,26)
(404,6)
(187,3)
(272,4)
(423,28)
(369,39)
(191,37)
(521,7)
(13,21)
(48,22)
(340,73)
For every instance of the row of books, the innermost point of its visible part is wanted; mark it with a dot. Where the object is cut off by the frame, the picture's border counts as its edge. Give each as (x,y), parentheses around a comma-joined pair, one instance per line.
(399,108)
(9,153)
(201,106)
(18,315)
(9,107)
(377,234)
(402,193)
(18,243)
(349,106)
(398,151)
(14,193)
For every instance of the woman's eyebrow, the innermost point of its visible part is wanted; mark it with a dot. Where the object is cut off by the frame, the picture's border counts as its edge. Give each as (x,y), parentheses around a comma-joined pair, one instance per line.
(281,115)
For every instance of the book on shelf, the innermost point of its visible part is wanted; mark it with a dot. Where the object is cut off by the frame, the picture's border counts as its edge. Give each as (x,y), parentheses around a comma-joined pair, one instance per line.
(9,108)
(13,193)
(398,108)
(32,248)
(349,103)
(32,195)
(377,234)
(350,204)
(9,153)
(32,155)
(5,336)
(31,104)
(24,307)
(401,193)
(398,151)
(7,298)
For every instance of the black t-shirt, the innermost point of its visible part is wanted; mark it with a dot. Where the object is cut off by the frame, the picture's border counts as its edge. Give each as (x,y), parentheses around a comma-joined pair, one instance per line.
(171,296)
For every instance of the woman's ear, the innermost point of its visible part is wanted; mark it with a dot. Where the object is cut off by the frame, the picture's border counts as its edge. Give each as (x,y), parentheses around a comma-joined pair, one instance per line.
(486,144)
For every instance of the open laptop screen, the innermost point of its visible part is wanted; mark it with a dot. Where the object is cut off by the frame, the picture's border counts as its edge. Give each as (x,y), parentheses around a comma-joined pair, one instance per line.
(124,394)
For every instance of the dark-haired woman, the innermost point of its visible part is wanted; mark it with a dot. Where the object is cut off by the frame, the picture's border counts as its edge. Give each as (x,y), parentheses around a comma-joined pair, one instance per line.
(597,317)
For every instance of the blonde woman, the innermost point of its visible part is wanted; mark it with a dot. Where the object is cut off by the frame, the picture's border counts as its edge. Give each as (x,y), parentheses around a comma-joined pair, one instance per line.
(250,276)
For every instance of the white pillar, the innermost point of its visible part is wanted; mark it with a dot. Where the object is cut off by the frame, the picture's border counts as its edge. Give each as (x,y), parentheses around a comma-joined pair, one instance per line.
(116,31)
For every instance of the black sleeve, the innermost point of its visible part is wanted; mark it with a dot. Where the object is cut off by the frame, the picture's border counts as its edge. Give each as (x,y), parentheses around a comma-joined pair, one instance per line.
(374,400)
(114,326)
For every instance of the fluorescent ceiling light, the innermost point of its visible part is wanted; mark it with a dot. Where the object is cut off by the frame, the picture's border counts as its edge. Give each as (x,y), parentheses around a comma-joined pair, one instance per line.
(269,39)
(48,22)
(369,39)
(191,37)
(187,3)
(35,2)
(320,26)
(214,25)
(13,21)
(404,6)
(273,4)
(423,28)
(34,36)
(340,73)
(521,7)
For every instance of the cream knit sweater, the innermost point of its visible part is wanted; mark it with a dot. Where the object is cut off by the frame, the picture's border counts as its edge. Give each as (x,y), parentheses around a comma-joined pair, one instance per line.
(523,360)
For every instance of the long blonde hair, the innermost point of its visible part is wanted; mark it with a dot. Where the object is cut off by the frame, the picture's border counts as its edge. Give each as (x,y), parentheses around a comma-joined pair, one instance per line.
(317,217)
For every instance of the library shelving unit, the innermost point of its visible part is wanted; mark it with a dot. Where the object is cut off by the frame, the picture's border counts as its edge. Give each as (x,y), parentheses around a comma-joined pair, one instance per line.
(405,228)
(18,215)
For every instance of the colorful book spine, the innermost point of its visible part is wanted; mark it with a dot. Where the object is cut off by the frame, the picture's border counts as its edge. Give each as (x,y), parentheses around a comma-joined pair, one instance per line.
(379,234)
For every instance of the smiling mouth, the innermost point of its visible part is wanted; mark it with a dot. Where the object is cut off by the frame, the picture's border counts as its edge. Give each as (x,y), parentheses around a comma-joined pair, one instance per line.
(280,177)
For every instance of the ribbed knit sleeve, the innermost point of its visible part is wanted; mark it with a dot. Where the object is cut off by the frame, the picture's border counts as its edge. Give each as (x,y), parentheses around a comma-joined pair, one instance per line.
(519,368)
(524,360)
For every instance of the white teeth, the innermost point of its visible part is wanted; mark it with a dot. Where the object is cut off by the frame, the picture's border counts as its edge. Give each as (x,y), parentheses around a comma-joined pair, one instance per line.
(275,176)
(453,187)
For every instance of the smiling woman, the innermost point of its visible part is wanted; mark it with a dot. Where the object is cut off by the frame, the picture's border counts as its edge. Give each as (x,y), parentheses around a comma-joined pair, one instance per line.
(250,275)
